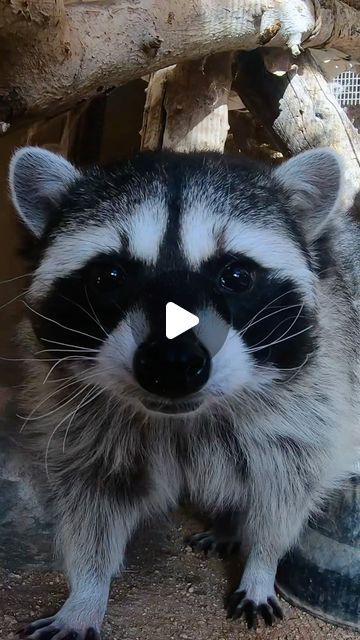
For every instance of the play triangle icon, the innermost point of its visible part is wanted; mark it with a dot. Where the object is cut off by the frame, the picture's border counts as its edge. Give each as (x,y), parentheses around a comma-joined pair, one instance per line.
(178,320)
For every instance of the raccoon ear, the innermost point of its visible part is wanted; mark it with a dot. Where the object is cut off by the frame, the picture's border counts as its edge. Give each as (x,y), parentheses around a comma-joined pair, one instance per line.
(313,180)
(37,179)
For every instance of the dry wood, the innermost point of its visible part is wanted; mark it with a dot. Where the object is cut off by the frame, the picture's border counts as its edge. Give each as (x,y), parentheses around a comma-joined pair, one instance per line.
(187,106)
(353,3)
(18,17)
(152,131)
(54,55)
(300,110)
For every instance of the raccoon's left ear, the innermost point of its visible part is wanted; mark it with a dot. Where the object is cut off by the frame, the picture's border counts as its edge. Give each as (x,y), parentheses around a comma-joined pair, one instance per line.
(37,179)
(313,180)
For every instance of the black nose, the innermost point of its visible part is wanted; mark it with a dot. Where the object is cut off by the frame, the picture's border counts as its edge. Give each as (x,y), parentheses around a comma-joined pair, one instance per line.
(172,368)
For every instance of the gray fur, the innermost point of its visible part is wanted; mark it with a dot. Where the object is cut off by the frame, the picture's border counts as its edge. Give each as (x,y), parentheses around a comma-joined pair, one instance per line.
(37,178)
(270,451)
(314,182)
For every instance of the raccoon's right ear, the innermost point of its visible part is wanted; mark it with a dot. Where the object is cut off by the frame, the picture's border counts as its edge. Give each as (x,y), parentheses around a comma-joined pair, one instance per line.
(314,183)
(37,179)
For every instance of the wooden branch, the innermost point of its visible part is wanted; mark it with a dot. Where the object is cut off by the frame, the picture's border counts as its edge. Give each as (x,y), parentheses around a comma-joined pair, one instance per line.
(152,131)
(55,55)
(18,17)
(353,3)
(187,106)
(299,109)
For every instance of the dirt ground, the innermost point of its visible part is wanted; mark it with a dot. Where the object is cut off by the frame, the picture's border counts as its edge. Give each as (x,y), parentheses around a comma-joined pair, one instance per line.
(166,593)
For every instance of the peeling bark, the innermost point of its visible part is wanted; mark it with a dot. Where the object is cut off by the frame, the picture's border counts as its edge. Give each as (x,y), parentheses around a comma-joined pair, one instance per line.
(153,125)
(299,110)
(187,106)
(18,17)
(54,55)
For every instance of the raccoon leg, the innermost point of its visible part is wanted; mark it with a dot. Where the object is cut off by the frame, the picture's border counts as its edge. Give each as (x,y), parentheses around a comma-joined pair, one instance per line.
(255,596)
(273,524)
(93,530)
(223,537)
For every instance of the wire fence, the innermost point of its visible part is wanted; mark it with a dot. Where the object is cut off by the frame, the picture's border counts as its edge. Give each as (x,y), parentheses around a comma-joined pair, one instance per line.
(346,87)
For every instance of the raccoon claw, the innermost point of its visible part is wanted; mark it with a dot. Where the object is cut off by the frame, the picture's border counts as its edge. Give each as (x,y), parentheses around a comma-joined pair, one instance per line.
(206,542)
(49,629)
(238,605)
(40,629)
(201,542)
(92,634)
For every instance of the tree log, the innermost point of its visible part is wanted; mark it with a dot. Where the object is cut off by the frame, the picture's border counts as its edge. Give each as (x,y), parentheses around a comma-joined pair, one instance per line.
(187,106)
(53,55)
(353,3)
(18,17)
(299,110)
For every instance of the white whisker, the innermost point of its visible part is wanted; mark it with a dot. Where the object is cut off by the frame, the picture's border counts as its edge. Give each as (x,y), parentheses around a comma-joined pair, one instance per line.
(65,379)
(71,413)
(43,401)
(30,418)
(61,360)
(81,403)
(298,369)
(269,315)
(24,275)
(55,431)
(269,305)
(275,368)
(66,344)
(82,333)
(19,295)
(6,359)
(293,335)
(93,318)
(275,328)
(95,315)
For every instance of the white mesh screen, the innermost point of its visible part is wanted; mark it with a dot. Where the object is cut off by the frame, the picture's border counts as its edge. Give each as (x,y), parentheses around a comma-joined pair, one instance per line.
(346,87)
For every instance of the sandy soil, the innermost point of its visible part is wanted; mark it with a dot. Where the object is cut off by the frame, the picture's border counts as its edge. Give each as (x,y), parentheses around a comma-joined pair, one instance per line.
(167,593)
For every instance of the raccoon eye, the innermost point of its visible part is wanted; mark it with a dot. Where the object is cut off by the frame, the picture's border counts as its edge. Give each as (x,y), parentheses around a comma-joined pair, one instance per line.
(236,277)
(105,278)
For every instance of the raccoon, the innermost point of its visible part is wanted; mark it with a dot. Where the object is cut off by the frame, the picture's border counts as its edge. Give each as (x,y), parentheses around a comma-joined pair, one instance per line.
(252,414)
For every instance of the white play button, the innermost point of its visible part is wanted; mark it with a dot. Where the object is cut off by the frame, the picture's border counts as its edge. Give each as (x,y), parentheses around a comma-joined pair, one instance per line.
(178,320)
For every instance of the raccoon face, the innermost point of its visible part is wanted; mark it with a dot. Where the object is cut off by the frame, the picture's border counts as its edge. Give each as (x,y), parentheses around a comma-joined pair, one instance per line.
(226,239)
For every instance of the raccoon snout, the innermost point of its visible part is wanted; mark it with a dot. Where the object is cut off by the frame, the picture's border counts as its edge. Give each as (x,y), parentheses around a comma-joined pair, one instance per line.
(172,368)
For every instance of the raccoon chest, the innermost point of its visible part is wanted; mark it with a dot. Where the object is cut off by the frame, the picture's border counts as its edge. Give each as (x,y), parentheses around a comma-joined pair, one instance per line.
(211,475)
(214,480)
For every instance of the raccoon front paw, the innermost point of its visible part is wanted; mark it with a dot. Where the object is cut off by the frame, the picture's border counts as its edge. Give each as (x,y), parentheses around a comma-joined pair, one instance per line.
(207,542)
(239,604)
(53,629)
